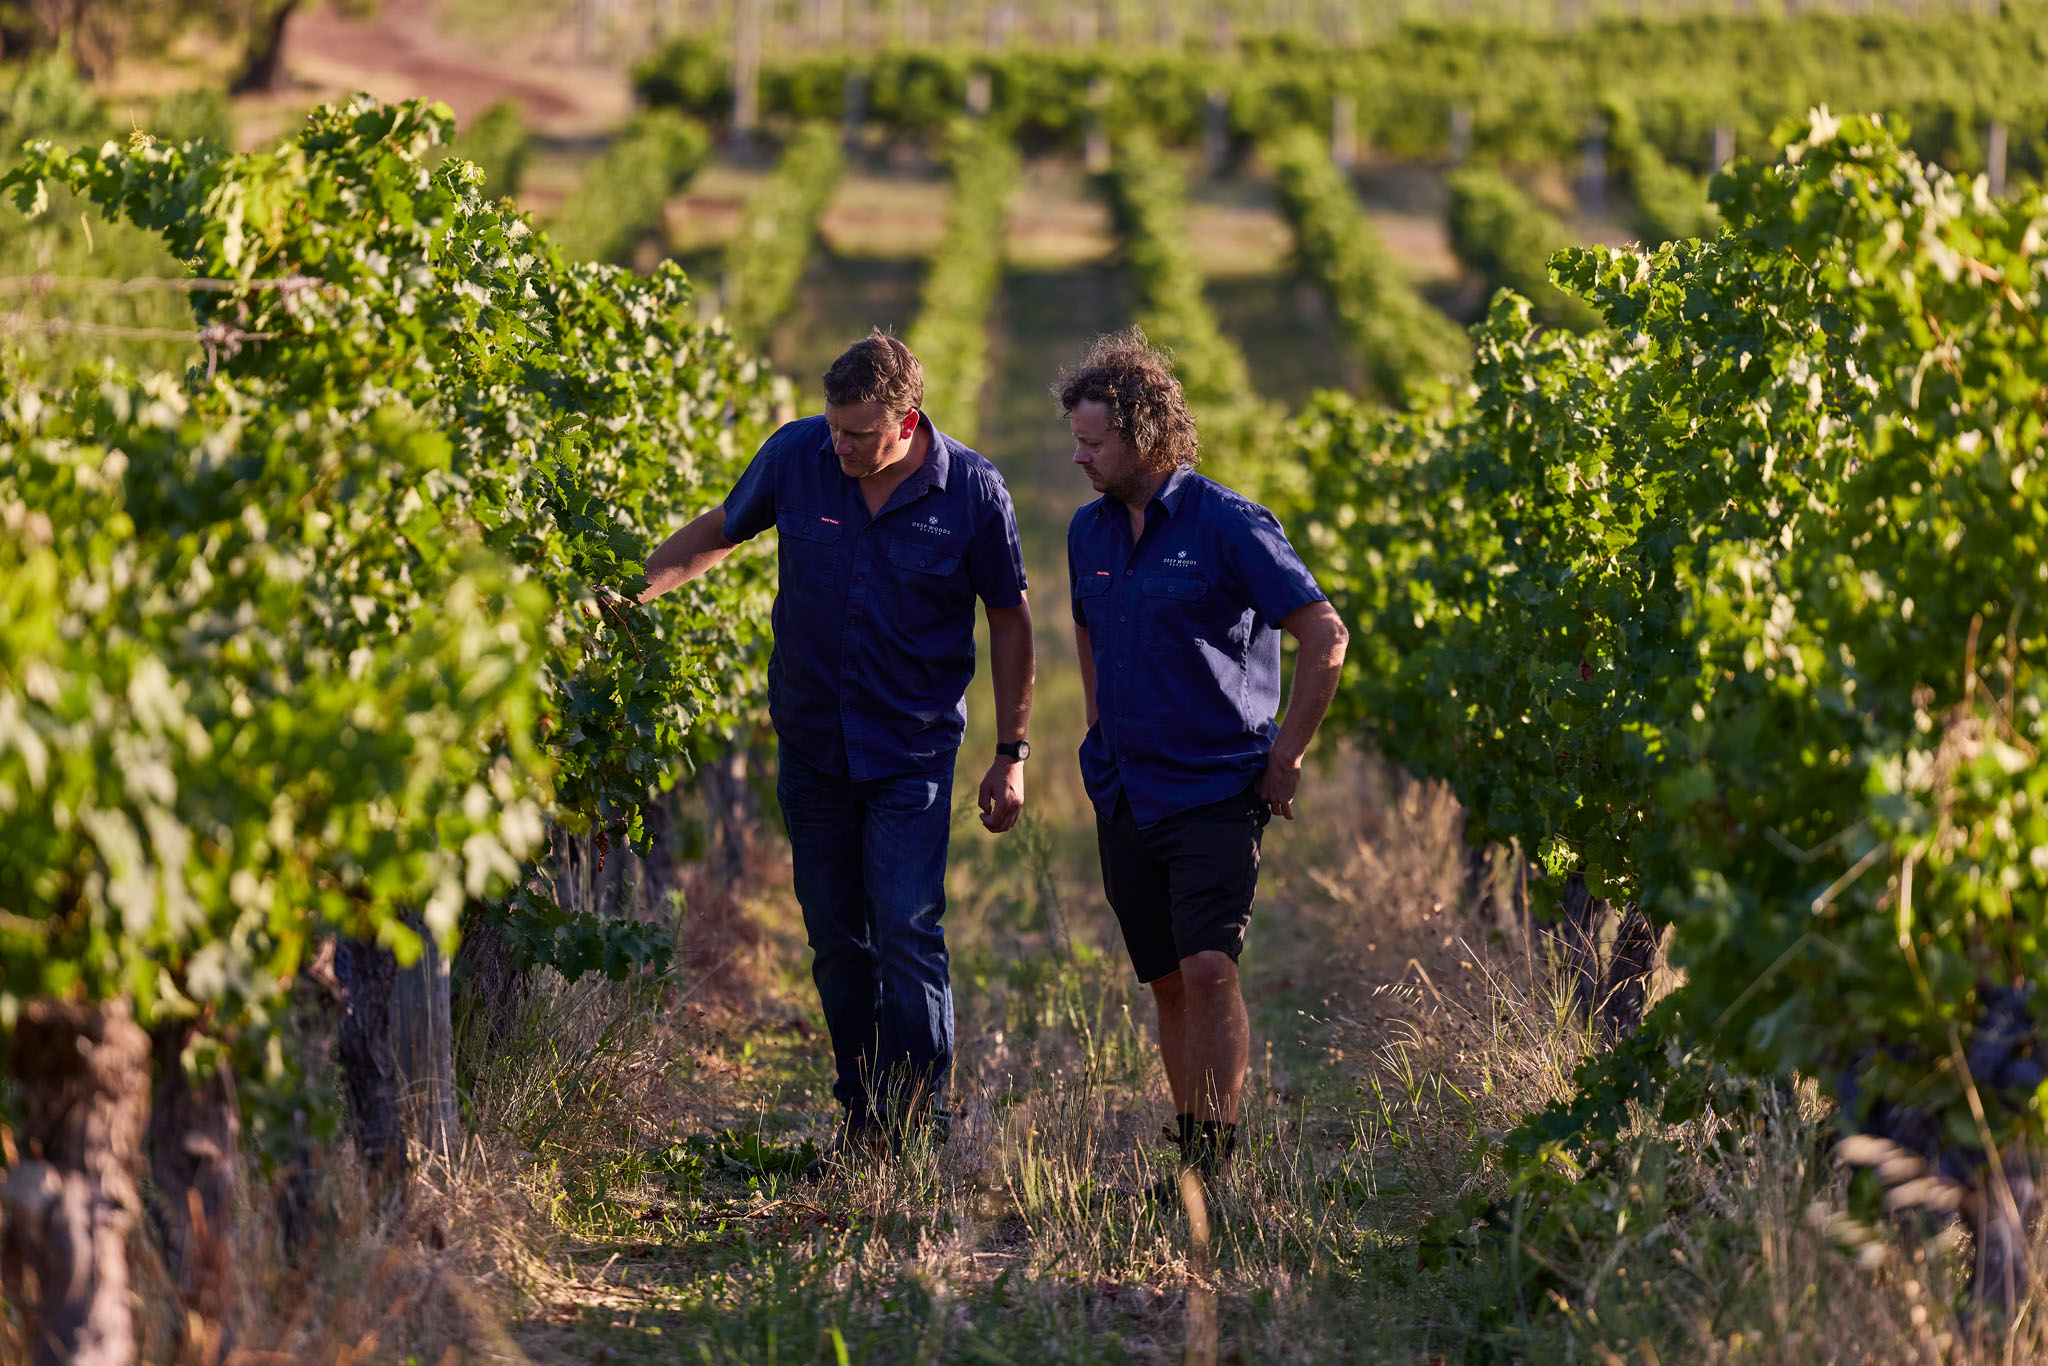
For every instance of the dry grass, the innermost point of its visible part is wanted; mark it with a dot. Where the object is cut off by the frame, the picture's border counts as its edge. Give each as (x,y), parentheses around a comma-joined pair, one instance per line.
(625,1194)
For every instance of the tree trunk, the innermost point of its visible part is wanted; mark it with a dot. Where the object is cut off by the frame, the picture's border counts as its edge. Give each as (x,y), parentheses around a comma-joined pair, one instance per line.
(493,992)
(1576,941)
(423,1044)
(263,70)
(72,1200)
(368,974)
(1625,989)
(195,1138)
(314,1019)
(734,813)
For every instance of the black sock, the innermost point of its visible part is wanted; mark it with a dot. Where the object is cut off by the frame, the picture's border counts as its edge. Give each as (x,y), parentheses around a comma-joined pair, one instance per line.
(1211,1146)
(1186,1136)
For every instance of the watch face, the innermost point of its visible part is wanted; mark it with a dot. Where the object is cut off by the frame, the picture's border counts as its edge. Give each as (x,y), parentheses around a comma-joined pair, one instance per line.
(1020,750)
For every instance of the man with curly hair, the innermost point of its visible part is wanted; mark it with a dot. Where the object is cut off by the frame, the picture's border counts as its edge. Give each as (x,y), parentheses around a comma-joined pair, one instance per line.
(1181,589)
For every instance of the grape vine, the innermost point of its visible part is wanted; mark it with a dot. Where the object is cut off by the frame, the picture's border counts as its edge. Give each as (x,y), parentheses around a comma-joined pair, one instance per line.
(1731,608)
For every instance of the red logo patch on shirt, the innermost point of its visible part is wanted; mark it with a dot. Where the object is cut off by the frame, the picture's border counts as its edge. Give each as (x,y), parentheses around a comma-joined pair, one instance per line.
(1103,574)
(829,521)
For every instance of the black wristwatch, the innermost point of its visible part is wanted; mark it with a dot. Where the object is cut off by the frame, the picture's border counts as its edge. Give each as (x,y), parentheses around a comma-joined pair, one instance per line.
(1020,750)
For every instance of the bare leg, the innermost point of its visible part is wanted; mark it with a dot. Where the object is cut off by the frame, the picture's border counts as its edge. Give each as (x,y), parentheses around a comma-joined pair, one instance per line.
(1217,1042)
(1170,995)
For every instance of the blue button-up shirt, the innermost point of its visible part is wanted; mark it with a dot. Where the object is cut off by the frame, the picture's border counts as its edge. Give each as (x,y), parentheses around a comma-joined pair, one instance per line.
(1183,628)
(874,617)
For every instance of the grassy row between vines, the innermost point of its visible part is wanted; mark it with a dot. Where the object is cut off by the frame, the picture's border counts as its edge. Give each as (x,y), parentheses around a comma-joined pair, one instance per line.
(626,1191)
(1405,342)
(765,262)
(626,188)
(950,335)
(1147,194)
(1499,231)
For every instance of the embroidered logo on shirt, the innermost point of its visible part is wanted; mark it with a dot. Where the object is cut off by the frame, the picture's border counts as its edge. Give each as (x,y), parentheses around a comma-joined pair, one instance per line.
(1103,574)
(930,526)
(829,521)
(1179,560)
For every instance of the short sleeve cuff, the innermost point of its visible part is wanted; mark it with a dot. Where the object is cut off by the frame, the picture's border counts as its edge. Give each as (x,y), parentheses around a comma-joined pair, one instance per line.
(1295,601)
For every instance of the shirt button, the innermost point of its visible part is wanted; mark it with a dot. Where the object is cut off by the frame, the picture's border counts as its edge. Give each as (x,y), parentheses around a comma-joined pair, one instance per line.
(1127,573)
(1123,618)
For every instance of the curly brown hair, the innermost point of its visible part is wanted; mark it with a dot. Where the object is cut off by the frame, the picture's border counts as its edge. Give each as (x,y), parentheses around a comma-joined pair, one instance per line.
(1134,380)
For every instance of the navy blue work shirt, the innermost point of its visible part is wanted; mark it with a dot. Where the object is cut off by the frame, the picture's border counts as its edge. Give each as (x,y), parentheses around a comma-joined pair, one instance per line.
(1183,627)
(874,616)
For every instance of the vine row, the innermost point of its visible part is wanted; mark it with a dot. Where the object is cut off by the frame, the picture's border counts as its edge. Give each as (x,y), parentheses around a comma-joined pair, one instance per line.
(765,261)
(1407,345)
(951,331)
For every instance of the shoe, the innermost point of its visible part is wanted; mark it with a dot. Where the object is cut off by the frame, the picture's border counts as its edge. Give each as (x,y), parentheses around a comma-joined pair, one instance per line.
(860,1141)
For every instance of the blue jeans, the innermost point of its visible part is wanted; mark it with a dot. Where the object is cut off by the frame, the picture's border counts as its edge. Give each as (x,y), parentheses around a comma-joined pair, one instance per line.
(871,878)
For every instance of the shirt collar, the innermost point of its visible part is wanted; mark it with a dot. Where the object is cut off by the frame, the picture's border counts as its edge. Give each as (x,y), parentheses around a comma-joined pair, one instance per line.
(938,454)
(1174,489)
(1167,495)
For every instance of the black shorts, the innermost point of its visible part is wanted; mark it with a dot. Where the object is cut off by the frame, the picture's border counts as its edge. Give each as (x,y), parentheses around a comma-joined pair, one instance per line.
(1185,885)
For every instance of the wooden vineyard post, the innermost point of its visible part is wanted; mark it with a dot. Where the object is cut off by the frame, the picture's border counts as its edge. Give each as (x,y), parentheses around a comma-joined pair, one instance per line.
(1724,146)
(423,1046)
(1593,175)
(853,112)
(1215,130)
(1461,134)
(1166,24)
(980,92)
(1002,18)
(746,74)
(1098,133)
(1344,132)
(1216,102)
(1994,158)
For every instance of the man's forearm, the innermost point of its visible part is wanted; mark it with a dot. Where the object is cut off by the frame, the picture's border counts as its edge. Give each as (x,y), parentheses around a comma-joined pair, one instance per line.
(687,554)
(1013,665)
(1318,666)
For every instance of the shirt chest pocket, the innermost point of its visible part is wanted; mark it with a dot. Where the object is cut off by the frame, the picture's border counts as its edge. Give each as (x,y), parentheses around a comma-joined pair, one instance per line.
(1173,607)
(926,574)
(809,549)
(1091,598)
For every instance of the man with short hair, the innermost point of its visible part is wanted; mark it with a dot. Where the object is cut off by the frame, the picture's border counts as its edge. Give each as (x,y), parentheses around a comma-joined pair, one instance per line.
(1180,591)
(888,531)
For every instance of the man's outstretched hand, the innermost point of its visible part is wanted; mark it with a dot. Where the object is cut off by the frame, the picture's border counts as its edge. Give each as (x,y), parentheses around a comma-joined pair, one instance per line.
(1002,795)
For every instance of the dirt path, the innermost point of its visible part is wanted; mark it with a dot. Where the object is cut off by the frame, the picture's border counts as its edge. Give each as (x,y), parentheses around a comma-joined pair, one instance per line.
(400,53)
(1028,1236)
